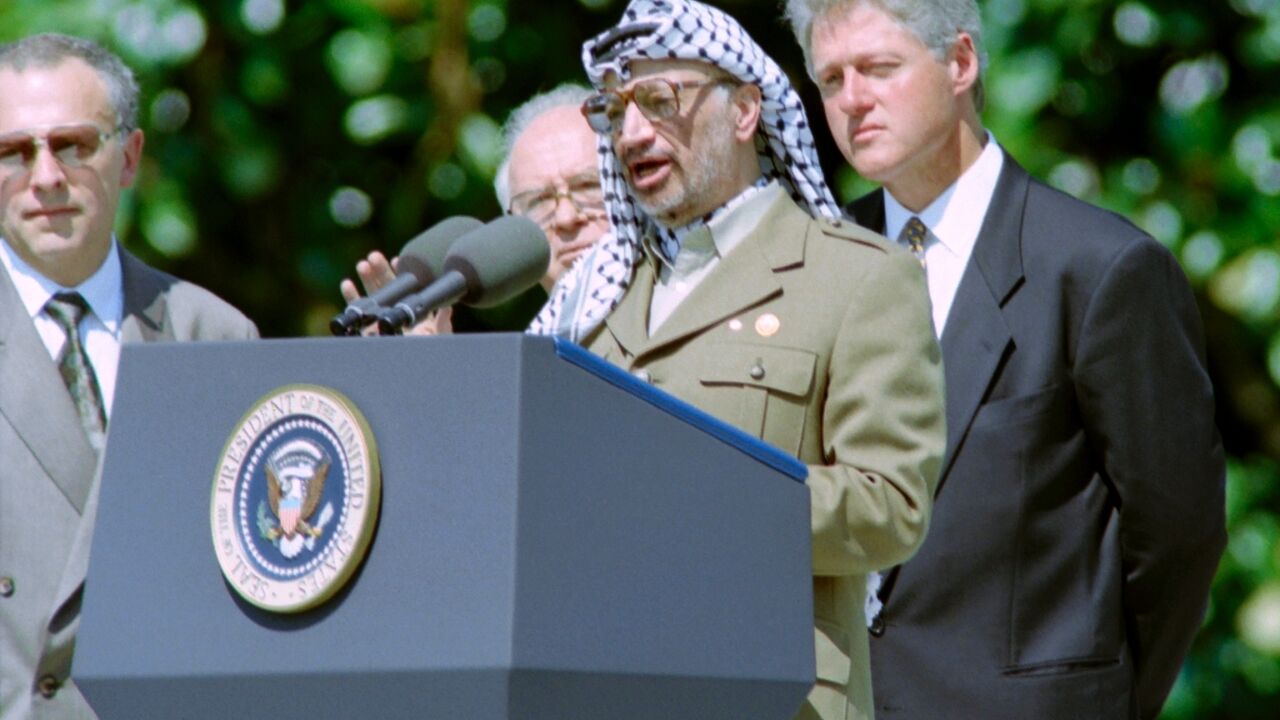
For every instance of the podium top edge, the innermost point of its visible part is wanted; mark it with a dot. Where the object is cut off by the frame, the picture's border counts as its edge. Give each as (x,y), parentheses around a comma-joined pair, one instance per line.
(754,447)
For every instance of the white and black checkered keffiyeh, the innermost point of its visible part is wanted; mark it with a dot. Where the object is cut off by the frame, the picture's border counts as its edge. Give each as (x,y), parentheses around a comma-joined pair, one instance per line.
(677,30)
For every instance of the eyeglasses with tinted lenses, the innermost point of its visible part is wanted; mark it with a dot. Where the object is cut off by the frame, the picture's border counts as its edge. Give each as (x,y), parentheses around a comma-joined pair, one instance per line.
(71,145)
(657,98)
(584,193)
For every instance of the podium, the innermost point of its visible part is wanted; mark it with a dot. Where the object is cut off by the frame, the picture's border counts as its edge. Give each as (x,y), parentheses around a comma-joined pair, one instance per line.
(556,540)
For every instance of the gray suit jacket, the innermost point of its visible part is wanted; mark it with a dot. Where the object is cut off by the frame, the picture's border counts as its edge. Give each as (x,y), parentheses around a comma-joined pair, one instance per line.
(1079,517)
(48,476)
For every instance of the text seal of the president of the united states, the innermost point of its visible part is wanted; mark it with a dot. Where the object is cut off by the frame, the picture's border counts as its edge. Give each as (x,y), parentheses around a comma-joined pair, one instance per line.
(295,498)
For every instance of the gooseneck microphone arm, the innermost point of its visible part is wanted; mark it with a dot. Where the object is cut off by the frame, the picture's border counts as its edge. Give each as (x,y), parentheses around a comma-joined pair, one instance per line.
(487,266)
(421,261)
(447,290)
(364,310)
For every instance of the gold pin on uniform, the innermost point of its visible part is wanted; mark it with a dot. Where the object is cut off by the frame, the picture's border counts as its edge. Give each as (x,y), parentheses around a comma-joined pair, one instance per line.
(767,324)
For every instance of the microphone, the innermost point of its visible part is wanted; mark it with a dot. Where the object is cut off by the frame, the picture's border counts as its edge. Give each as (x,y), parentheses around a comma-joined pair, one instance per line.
(487,266)
(421,261)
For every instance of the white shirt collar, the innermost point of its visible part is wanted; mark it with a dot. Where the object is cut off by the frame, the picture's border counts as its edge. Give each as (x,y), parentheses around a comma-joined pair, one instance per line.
(954,220)
(955,217)
(103,291)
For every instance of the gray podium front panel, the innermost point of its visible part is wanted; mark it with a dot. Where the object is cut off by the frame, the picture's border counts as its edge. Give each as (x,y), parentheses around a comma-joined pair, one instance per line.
(549,547)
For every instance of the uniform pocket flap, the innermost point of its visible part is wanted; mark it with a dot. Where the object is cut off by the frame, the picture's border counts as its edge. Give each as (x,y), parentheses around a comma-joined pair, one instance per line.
(784,370)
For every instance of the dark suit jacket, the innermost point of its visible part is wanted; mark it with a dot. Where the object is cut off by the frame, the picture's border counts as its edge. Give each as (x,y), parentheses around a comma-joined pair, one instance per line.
(48,481)
(1080,515)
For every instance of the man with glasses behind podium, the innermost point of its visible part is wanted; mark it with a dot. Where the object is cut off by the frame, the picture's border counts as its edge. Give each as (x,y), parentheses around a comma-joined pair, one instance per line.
(69,296)
(549,174)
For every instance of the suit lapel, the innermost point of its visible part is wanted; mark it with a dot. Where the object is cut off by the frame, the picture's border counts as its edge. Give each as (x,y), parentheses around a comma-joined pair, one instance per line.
(36,404)
(145,304)
(976,337)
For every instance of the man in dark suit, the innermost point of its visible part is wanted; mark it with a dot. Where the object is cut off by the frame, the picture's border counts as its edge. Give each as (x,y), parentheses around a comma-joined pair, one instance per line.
(69,297)
(1079,518)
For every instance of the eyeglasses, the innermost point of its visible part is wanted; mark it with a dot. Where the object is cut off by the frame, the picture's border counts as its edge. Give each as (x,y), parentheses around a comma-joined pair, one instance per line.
(657,98)
(71,145)
(583,193)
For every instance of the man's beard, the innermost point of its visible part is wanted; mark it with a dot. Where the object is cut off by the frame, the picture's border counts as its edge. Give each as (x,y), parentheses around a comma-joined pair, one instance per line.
(700,178)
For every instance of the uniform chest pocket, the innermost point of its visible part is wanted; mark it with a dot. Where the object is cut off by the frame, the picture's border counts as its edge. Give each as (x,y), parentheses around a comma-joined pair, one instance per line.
(762,389)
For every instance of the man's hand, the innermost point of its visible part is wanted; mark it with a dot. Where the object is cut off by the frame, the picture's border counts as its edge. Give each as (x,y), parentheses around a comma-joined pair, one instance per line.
(374,272)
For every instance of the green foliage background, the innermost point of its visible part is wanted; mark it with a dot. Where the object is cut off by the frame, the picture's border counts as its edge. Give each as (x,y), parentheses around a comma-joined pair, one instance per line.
(285,139)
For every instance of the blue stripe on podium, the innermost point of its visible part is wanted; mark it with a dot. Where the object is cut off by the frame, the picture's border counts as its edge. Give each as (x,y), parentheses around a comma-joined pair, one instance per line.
(614,375)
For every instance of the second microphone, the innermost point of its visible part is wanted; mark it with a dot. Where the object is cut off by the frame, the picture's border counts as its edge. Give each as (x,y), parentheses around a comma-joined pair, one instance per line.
(485,267)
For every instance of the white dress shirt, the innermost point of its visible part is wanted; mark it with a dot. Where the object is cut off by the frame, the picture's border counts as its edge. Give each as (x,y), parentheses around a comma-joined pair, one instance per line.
(954,220)
(100,327)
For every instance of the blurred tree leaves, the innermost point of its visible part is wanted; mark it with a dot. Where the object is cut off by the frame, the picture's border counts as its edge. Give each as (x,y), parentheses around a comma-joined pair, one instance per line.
(285,139)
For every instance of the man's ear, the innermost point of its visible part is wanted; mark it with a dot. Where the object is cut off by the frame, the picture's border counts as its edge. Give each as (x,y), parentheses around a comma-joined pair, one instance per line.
(746,99)
(132,158)
(963,64)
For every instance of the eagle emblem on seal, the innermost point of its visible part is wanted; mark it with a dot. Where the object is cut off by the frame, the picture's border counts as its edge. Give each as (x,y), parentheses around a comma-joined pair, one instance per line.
(296,474)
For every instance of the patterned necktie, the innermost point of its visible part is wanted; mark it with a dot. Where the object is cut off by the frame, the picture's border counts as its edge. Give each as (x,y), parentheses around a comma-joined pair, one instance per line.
(67,309)
(914,232)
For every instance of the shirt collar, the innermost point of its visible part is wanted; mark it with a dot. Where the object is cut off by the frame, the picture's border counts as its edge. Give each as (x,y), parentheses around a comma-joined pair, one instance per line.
(955,217)
(665,243)
(103,290)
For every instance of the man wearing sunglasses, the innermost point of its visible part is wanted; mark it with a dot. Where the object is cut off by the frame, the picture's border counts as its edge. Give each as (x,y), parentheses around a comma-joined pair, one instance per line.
(719,286)
(69,296)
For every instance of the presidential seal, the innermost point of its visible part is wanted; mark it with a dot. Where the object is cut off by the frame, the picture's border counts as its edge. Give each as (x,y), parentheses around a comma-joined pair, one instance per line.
(295,498)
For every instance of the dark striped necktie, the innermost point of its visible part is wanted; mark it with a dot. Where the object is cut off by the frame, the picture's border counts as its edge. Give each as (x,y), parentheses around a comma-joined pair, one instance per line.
(67,309)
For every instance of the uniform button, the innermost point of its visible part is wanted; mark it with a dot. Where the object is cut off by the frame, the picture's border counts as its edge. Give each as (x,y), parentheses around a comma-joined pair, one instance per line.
(6,587)
(48,686)
(877,626)
(642,375)
(757,371)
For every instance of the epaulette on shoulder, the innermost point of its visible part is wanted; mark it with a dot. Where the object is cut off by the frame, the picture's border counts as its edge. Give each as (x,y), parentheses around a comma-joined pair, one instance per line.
(846,229)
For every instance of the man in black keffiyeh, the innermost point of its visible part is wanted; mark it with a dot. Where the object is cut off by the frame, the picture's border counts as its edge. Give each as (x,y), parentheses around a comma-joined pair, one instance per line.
(719,286)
